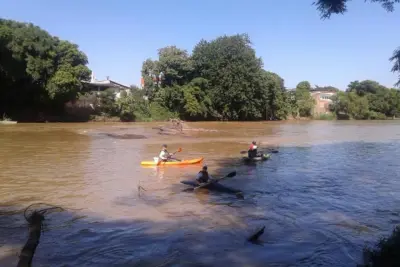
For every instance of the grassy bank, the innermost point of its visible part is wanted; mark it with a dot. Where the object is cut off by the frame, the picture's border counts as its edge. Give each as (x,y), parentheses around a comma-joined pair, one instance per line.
(327,117)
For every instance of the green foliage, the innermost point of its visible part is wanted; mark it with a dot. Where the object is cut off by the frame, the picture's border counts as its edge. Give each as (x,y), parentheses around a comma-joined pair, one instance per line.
(175,64)
(160,113)
(326,88)
(125,107)
(107,102)
(274,96)
(222,80)
(367,100)
(304,100)
(196,102)
(328,117)
(329,7)
(350,104)
(376,115)
(132,106)
(38,72)
(385,253)
(364,87)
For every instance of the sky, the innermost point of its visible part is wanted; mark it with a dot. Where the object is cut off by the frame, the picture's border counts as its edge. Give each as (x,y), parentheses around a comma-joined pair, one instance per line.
(117,36)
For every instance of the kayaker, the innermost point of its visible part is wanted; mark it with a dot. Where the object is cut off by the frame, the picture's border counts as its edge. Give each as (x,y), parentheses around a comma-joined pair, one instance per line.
(164,154)
(203,176)
(252,152)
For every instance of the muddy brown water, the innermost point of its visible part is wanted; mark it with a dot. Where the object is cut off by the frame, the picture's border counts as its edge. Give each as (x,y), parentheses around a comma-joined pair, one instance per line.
(332,188)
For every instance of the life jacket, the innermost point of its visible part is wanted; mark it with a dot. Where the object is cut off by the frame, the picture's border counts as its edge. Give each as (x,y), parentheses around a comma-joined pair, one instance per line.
(163,155)
(204,177)
(252,147)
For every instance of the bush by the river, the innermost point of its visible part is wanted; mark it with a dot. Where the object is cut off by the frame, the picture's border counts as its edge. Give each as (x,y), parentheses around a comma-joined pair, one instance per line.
(386,253)
(131,106)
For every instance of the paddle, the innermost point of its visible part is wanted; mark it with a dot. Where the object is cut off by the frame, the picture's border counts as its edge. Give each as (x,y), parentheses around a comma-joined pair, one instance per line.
(179,150)
(229,175)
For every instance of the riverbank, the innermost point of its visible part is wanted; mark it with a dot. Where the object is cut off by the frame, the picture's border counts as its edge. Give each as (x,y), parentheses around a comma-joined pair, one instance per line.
(114,119)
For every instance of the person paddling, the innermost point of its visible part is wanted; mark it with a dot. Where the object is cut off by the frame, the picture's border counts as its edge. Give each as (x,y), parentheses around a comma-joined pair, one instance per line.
(203,176)
(164,154)
(252,152)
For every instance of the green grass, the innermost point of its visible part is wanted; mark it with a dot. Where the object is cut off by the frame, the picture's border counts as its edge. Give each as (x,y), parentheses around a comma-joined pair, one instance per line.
(327,117)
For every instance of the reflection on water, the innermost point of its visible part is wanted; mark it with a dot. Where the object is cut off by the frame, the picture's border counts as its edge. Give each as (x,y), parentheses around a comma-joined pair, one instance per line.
(332,188)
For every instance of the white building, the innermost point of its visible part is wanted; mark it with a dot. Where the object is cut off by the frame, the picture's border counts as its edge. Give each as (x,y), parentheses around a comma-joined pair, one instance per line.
(101,85)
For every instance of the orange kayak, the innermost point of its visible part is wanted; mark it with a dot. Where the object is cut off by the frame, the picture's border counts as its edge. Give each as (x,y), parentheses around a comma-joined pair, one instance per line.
(183,162)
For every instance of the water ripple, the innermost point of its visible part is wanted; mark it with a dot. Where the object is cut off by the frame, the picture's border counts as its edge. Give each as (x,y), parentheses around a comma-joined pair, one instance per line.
(331,189)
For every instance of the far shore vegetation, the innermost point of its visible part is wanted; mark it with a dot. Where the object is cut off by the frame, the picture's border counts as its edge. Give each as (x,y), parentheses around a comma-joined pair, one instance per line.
(43,79)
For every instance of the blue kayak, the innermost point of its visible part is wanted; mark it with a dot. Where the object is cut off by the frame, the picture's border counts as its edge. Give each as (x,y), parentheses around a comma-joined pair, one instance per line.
(262,157)
(214,187)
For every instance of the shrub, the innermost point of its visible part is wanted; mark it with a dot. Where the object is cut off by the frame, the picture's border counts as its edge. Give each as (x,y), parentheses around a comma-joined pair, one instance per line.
(160,113)
(327,116)
(377,116)
(385,254)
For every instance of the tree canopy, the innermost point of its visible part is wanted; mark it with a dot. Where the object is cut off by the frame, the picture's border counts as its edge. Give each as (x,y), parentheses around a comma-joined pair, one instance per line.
(367,100)
(221,79)
(38,72)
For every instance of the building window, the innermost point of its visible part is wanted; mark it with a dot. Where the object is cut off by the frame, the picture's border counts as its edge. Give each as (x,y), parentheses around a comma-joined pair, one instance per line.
(325,97)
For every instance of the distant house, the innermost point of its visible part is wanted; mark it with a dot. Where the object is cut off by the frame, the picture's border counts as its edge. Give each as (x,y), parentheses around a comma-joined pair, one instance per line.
(323,98)
(100,85)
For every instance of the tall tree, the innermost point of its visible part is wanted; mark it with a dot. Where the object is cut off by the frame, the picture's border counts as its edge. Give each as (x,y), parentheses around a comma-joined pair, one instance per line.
(277,104)
(305,102)
(364,87)
(150,74)
(326,88)
(174,65)
(38,72)
(232,68)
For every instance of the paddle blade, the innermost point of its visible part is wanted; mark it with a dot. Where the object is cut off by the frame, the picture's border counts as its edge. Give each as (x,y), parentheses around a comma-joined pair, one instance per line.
(239,195)
(243,152)
(179,150)
(190,189)
(231,174)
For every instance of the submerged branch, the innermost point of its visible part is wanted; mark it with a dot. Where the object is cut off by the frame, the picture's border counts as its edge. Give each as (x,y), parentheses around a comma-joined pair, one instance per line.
(35,223)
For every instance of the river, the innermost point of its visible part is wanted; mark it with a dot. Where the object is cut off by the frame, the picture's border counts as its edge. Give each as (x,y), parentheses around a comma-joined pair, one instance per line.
(333,188)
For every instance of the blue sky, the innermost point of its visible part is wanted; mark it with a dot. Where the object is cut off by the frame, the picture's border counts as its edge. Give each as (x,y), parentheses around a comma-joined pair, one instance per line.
(119,35)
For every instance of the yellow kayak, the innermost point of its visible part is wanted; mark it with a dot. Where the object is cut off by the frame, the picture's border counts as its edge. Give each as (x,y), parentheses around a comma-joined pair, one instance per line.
(183,162)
